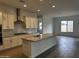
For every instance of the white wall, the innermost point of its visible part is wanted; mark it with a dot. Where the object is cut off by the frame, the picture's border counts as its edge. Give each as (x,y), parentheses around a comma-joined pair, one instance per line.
(51,25)
(48,22)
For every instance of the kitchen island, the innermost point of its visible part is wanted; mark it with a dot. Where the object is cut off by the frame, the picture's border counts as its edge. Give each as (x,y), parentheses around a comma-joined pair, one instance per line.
(35,45)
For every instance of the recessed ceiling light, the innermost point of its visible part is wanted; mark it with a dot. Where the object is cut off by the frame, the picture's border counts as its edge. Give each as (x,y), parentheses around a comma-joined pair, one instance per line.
(41,0)
(38,10)
(25,5)
(53,6)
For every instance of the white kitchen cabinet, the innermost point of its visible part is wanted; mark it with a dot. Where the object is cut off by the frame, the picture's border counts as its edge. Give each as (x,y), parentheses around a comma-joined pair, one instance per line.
(8,20)
(4,20)
(7,43)
(0,17)
(28,22)
(11,42)
(11,20)
(35,20)
(16,41)
(31,22)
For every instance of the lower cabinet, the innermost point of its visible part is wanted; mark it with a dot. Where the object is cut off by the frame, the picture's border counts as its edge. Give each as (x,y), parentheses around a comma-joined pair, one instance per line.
(11,42)
(6,43)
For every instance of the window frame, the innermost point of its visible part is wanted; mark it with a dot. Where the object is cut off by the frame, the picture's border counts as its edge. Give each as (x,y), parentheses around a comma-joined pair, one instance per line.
(67,26)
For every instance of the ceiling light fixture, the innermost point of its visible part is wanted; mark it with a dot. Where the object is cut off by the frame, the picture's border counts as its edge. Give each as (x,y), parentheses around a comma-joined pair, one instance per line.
(41,0)
(25,5)
(38,10)
(53,6)
(23,2)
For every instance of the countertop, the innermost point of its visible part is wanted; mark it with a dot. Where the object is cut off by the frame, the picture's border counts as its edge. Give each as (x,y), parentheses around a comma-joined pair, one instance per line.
(37,38)
(14,35)
(17,35)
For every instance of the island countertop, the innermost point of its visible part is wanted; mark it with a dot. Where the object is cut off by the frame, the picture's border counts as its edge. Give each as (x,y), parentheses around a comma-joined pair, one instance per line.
(35,38)
(34,45)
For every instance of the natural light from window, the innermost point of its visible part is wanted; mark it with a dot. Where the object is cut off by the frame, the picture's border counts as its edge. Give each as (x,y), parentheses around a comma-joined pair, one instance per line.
(66,26)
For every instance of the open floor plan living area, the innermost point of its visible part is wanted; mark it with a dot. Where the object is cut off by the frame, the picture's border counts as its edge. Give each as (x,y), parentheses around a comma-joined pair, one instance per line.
(39,28)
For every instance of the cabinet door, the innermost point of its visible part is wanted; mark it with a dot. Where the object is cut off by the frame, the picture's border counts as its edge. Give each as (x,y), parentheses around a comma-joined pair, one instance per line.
(32,22)
(0,17)
(16,41)
(35,23)
(11,20)
(13,41)
(28,22)
(6,43)
(5,21)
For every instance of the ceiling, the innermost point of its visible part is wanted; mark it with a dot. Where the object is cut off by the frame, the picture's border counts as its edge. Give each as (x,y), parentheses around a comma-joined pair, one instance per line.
(45,6)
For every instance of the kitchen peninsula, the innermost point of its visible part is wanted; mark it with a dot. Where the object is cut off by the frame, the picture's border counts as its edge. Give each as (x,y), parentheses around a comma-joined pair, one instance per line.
(35,45)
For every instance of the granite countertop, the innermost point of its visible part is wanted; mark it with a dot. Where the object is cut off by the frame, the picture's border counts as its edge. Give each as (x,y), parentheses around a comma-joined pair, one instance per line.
(14,35)
(24,35)
(33,37)
(21,35)
(37,38)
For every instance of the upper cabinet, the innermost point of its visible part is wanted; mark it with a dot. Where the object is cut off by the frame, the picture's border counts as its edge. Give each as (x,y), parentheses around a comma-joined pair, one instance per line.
(11,20)
(31,22)
(0,17)
(4,20)
(28,22)
(8,17)
(8,20)
(34,22)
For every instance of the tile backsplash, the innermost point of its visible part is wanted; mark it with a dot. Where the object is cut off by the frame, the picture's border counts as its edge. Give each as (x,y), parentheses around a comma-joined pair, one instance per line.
(7,32)
(11,32)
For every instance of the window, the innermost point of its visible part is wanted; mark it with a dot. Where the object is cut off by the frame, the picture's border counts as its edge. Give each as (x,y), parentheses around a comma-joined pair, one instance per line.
(40,25)
(66,26)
